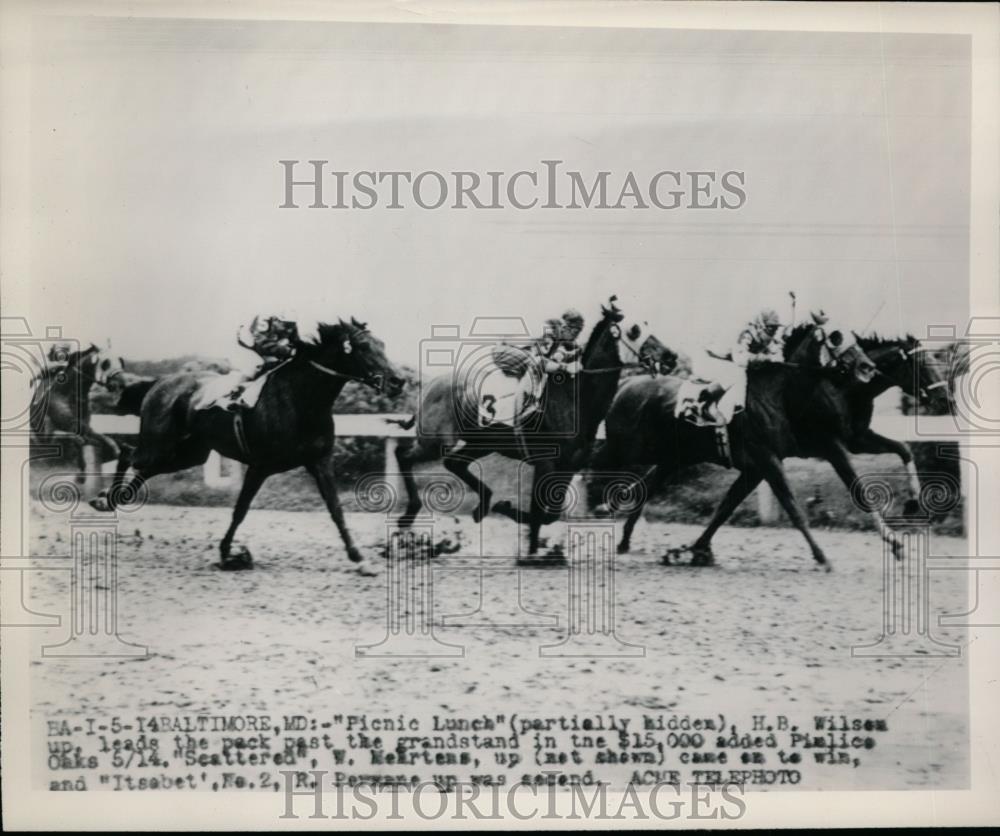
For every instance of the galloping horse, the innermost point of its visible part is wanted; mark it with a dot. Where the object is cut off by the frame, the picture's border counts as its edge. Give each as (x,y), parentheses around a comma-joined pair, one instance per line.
(790,406)
(60,403)
(896,364)
(557,442)
(290,426)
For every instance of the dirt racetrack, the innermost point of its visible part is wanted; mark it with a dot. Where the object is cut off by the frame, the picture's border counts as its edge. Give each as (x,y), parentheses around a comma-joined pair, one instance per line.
(763,632)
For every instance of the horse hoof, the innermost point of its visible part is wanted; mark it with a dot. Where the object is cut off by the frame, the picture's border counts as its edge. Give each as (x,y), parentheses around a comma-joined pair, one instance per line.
(447,546)
(702,556)
(355,556)
(478,514)
(503,507)
(602,510)
(238,561)
(100,503)
(367,570)
(624,547)
(911,508)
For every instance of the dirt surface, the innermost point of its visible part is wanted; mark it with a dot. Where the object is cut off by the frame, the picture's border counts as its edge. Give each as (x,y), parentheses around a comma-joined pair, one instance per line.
(763,632)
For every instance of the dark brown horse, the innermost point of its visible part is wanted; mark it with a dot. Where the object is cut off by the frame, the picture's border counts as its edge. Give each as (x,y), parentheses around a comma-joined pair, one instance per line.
(557,442)
(60,403)
(791,409)
(291,425)
(898,363)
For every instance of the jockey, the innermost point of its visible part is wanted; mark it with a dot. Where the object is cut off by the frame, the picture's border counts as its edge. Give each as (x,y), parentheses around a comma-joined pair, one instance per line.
(761,341)
(555,351)
(275,340)
(557,348)
(526,368)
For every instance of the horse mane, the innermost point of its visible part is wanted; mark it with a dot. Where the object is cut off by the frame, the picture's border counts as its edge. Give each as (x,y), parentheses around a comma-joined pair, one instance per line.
(796,337)
(329,333)
(876,340)
(592,340)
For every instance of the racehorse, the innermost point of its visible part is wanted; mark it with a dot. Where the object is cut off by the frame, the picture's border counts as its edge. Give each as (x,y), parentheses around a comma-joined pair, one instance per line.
(60,403)
(290,426)
(556,442)
(792,408)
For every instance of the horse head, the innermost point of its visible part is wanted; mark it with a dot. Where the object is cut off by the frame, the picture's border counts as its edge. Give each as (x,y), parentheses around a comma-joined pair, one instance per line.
(905,363)
(602,346)
(350,350)
(107,369)
(814,346)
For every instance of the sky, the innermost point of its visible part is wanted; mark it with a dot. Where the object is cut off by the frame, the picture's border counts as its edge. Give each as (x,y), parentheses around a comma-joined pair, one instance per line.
(156,184)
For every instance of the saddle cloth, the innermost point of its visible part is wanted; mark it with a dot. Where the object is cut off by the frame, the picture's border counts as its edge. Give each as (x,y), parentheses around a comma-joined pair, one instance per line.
(689,402)
(689,408)
(227,390)
(503,399)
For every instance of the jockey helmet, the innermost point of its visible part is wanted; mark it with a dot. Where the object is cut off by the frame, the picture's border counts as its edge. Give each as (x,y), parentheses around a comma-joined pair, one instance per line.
(573,320)
(769,318)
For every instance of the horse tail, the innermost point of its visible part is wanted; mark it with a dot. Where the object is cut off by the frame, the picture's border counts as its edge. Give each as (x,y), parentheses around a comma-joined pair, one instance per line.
(405,423)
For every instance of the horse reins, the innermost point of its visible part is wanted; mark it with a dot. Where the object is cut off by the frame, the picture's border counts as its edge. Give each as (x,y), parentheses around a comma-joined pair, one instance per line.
(620,366)
(905,355)
(355,378)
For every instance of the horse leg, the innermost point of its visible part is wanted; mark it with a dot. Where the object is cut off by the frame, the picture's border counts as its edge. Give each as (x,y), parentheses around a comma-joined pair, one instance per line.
(457,461)
(107,450)
(252,481)
(871,442)
(136,467)
(541,506)
(774,472)
(701,549)
(409,453)
(650,479)
(80,456)
(323,472)
(837,456)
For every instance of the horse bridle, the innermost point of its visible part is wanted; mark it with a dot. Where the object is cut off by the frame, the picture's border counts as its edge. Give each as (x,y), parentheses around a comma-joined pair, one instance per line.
(905,355)
(376,381)
(616,332)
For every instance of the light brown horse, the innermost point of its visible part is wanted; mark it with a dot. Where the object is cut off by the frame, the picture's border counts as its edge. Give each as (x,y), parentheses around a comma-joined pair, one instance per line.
(60,403)
(557,441)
